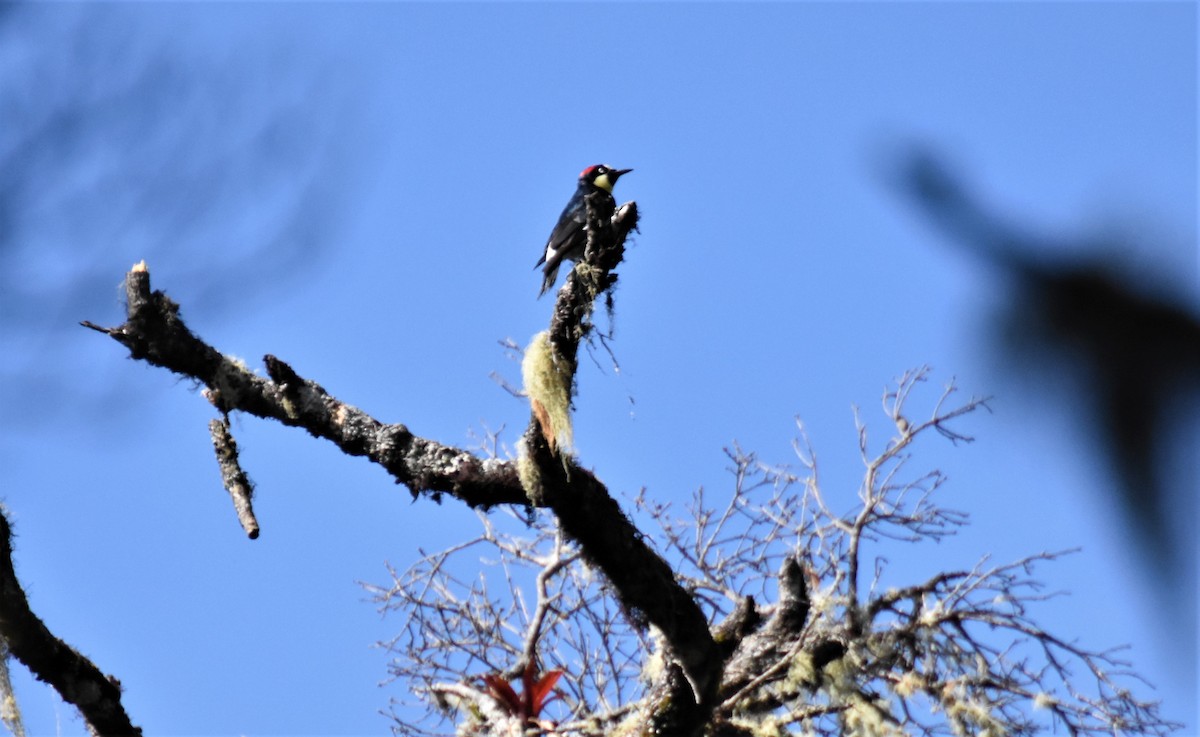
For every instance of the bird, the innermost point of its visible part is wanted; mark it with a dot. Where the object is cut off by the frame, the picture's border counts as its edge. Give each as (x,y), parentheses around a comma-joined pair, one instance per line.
(569,237)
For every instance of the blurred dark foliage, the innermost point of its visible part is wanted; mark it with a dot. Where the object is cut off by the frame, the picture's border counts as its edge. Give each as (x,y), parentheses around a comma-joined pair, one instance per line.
(1127,360)
(217,161)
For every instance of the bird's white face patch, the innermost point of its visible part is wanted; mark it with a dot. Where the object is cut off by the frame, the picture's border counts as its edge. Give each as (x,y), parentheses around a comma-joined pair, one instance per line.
(604,183)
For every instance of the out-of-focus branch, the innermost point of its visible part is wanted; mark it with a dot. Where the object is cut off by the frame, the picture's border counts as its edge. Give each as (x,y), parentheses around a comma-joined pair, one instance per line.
(1129,353)
(77,679)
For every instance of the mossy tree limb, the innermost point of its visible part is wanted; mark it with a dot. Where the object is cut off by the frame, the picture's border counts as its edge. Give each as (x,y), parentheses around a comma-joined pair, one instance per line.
(642,581)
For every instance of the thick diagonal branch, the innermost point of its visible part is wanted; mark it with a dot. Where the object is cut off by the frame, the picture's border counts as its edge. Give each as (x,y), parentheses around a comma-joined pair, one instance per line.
(53,661)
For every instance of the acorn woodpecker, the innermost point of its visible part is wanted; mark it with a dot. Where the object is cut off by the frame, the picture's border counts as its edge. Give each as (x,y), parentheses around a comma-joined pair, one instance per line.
(569,237)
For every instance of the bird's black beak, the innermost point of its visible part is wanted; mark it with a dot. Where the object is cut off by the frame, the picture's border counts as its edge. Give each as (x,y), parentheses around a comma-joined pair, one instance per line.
(618,173)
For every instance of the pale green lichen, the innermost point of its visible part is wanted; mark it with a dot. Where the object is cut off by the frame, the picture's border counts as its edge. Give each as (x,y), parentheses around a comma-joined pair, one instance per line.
(801,671)
(547,379)
(655,663)
(968,714)
(10,710)
(589,277)
(530,475)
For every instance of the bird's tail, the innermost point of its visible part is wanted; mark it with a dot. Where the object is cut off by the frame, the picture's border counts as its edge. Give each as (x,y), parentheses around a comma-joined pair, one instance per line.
(551,275)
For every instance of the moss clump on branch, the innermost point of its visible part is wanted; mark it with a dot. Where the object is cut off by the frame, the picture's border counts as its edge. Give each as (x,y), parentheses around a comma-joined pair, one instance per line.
(547,379)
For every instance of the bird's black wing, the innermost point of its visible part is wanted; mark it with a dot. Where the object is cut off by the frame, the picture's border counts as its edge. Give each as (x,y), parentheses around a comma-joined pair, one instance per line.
(570,225)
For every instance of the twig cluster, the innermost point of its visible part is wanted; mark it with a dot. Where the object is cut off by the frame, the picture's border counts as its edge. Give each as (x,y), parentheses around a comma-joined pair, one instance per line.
(831,654)
(542,606)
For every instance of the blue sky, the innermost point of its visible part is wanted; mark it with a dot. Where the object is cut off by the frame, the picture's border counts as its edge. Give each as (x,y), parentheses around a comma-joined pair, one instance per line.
(362,190)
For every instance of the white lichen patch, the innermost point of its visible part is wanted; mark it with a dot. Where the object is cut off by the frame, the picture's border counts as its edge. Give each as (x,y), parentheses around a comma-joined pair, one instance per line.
(1044,701)
(908,684)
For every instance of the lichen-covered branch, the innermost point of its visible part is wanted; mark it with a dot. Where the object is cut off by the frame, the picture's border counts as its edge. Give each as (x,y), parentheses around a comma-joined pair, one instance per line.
(587,514)
(77,679)
(237,483)
(644,583)
(154,332)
